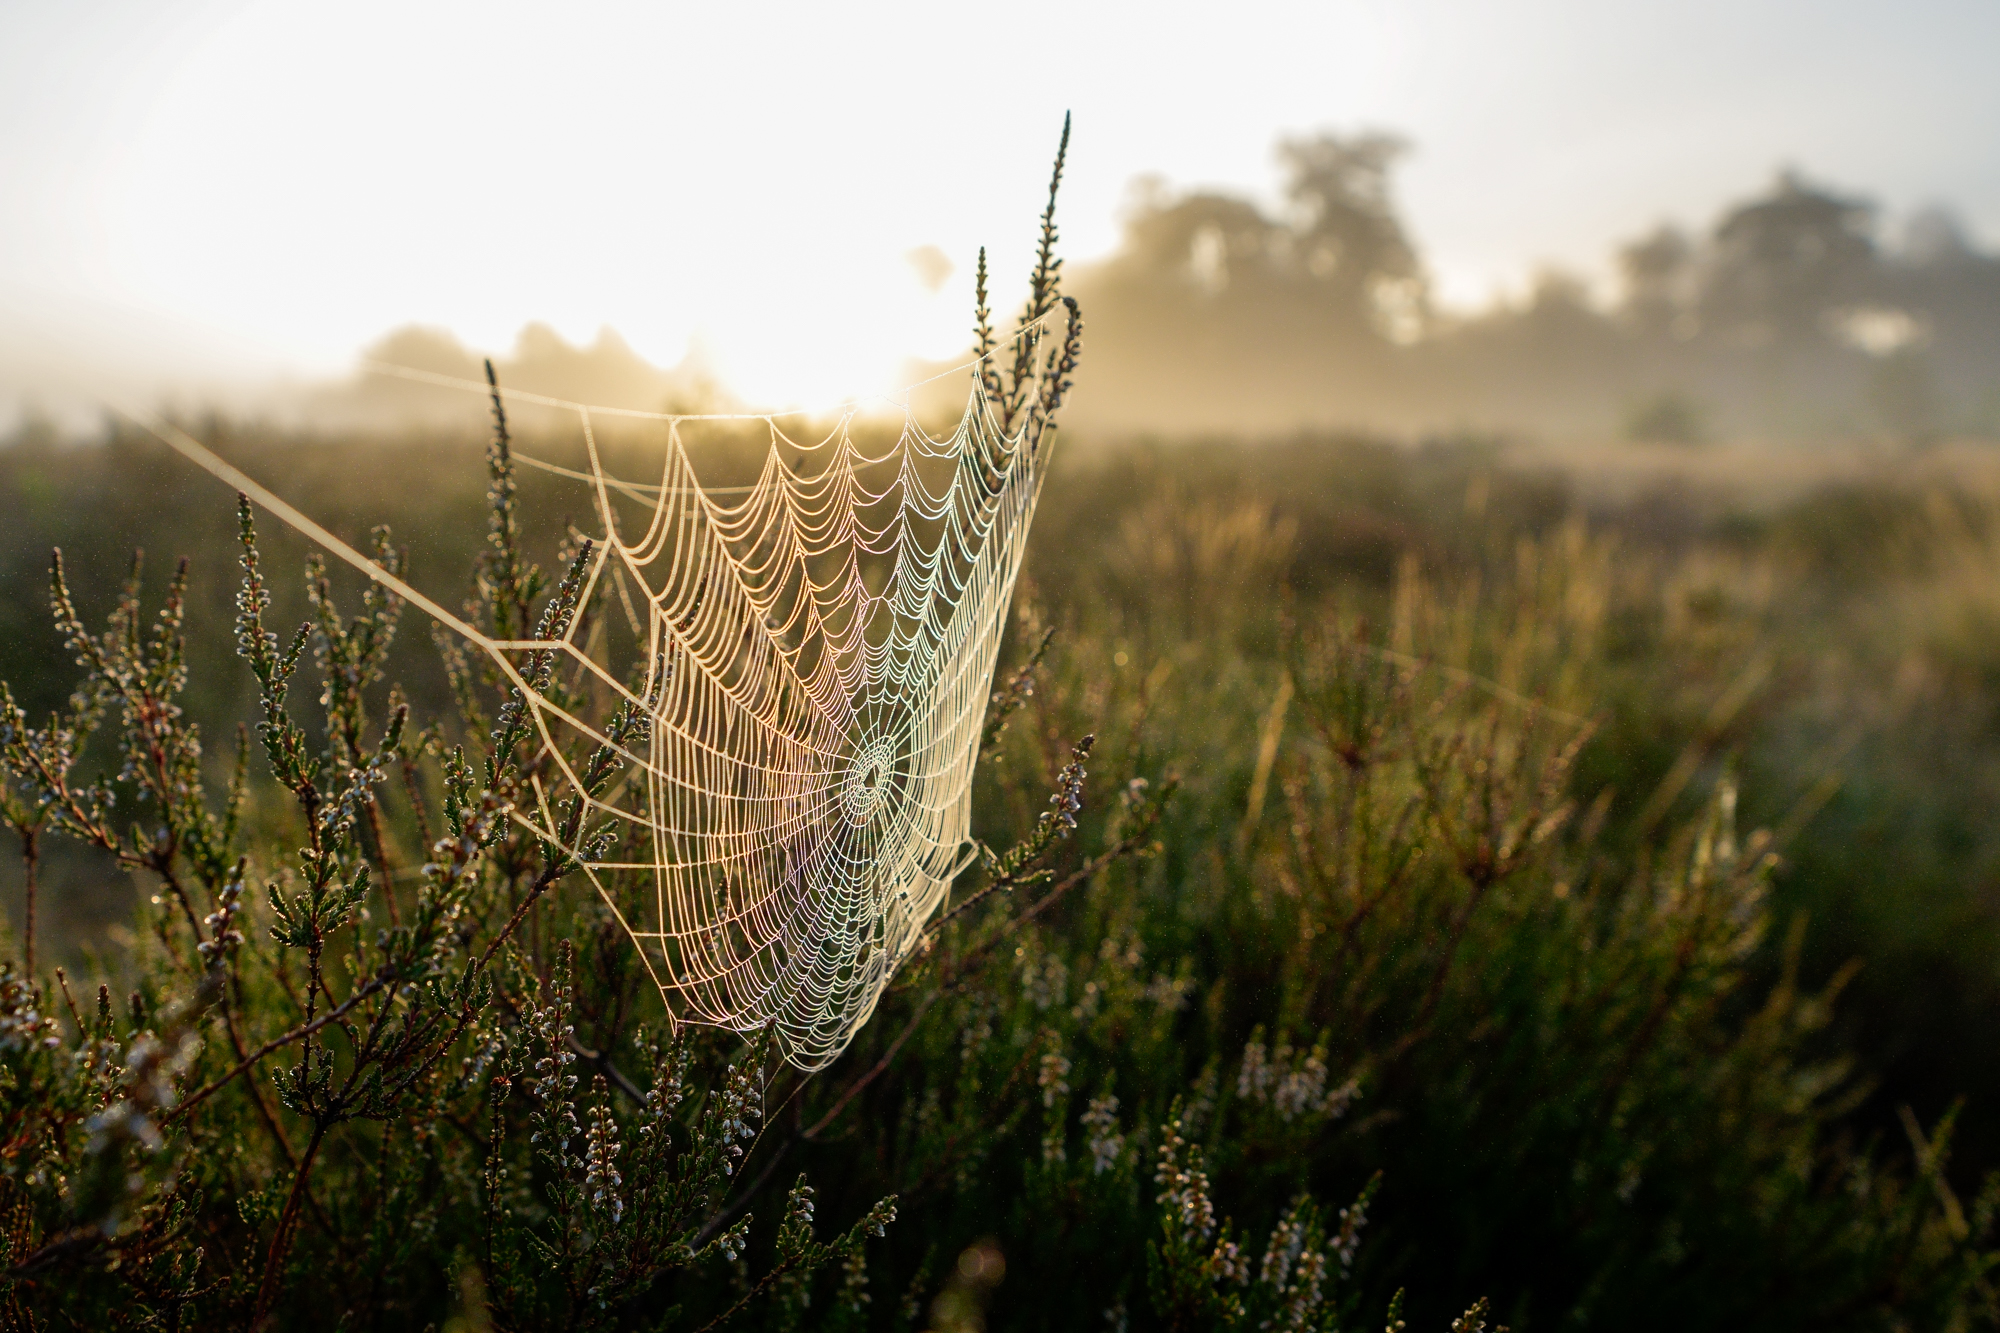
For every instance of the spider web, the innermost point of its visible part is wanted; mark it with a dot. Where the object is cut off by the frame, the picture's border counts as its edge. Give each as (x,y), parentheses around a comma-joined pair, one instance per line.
(817,657)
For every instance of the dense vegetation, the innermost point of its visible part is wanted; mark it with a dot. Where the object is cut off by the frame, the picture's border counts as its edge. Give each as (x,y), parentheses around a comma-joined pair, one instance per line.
(1418,894)
(1409,867)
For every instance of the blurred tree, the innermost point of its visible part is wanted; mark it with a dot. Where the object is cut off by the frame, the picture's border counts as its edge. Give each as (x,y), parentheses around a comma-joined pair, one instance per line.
(1934,237)
(1347,236)
(1778,265)
(1657,274)
(1219,313)
(1341,254)
(1205,244)
(1903,393)
(1950,288)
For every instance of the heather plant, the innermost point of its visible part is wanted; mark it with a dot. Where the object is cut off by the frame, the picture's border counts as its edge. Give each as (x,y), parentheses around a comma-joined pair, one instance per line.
(1381,931)
(369,1077)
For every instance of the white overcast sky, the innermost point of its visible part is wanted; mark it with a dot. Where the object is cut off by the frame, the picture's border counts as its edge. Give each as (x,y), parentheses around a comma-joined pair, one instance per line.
(201,193)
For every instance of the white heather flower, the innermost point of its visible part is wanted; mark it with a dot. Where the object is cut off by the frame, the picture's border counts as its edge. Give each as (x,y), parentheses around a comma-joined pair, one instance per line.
(1302,1089)
(1254,1082)
(854,1281)
(1106,1144)
(1054,1077)
(601,1179)
(1184,1186)
(1044,979)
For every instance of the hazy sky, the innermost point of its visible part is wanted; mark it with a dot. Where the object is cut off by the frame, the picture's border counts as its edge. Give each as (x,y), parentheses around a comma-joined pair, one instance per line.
(204,192)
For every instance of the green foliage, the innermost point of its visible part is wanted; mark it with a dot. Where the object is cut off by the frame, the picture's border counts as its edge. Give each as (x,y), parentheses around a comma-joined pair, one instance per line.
(1372,940)
(1420,892)
(297,1093)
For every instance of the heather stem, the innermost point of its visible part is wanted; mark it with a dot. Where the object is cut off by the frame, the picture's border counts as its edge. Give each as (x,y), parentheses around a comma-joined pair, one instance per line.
(31,860)
(288,1222)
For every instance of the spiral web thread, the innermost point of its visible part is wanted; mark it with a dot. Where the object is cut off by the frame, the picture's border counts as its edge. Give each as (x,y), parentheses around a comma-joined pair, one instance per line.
(807,781)
(818,656)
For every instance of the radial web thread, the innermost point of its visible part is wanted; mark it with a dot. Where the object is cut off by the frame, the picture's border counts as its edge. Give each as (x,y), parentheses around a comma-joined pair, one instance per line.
(817,653)
(807,783)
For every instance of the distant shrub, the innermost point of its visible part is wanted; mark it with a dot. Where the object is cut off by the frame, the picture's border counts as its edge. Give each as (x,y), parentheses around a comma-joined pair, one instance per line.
(1667,418)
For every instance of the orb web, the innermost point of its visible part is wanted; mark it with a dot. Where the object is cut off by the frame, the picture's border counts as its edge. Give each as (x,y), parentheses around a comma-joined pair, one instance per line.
(814,662)
(818,658)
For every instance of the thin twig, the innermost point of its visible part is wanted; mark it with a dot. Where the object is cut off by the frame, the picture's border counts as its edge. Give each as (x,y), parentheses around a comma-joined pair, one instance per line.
(854,1088)
(743,1200)
(31,857)
(277,1044)
(956,970)
(288,1223)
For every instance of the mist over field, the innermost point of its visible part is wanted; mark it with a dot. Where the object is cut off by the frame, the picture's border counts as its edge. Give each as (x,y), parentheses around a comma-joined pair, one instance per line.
(1566,218)
(1799,314)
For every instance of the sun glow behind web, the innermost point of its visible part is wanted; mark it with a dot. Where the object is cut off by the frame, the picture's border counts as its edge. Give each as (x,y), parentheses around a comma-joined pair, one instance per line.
(763,358)
(800,702)
(686,210)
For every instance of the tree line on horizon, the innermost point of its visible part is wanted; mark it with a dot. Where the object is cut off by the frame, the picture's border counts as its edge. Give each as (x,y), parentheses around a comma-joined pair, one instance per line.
(1791,316)
(1795,315)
